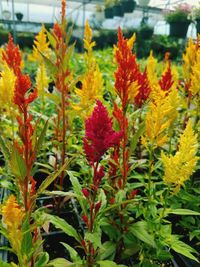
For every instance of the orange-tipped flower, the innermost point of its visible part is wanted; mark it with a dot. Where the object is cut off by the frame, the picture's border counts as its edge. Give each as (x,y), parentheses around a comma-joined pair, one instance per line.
(12,55)
(22,86)
(127,71)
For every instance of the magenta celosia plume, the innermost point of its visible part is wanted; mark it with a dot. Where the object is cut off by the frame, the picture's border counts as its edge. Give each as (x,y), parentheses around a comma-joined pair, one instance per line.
(99,135)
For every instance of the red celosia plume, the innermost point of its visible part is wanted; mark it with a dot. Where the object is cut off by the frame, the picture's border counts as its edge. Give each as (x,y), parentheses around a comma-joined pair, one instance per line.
(22,86)
(12,55)
(167,81)
(127,71)
(99,136)
(144,89)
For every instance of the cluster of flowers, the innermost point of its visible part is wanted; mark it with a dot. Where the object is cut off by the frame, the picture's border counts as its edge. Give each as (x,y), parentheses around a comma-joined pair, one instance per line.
(111,142)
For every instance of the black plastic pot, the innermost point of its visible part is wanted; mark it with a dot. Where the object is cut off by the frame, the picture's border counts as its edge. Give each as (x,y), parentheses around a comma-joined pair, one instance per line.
(128,6)
(179,29)
(118,10)
(146,32)
(108,13)
(19,16)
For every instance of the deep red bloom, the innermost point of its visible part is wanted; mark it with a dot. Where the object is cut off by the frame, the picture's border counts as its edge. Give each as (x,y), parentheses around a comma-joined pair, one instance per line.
(22,86)
(167,81)
(12,55)
(127,71)
(99,135)
(144,89)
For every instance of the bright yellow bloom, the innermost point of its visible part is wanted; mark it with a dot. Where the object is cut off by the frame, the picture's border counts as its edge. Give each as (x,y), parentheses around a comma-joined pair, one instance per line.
(13,218)
(151,70)
(178,168)
(41,46)
(189,59)
(42,80)
(92,82)
(88,44)
(92,85)
(195,76)
(7,86)
(159,118)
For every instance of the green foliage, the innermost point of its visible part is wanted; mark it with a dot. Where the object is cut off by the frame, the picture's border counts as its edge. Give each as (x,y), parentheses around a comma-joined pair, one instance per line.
(17,164)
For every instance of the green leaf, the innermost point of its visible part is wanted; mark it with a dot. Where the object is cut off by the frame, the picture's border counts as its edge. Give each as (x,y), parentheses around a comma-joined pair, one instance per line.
(51,67)
(77,189)
(182,248)
(17,164)
(26,246)
(40,139)
(42,260)
(184,212)
(59,262)
(4,264)
(52,177)
(95,238)
(64,226)
(108,250)
(51,39)
(73,253)
(140,230)
(60,193)
(107,263)
(4,148)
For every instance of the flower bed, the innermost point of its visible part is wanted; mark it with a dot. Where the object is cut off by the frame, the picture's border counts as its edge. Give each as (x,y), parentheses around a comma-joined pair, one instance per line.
(109,169)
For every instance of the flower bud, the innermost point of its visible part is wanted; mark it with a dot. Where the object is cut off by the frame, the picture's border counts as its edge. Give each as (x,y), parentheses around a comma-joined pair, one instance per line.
(85,192)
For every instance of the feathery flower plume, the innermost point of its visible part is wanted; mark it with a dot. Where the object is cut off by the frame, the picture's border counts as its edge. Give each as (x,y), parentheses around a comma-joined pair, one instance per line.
(179,168)
(152,71)
(159,118)
(7,86)
(22,86)
(41,45)
(189,58)
(144,89)
(13,218)
(12,55)
(42,79)
(127,71)
(92,82)
(99,136)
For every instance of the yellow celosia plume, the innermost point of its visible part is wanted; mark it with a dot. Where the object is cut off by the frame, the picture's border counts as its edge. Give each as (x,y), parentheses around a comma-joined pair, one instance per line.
(151,70)
(189,59)
(13,218)
(88,44)
(7,86)
(41,46)
(91,90)
(42,80)
(195,77)
(178,168)
(92,82)
(159,118)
